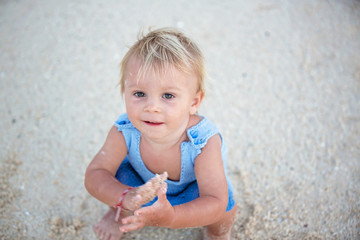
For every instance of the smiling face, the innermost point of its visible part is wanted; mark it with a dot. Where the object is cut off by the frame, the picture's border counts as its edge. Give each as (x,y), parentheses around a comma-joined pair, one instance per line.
(160,104)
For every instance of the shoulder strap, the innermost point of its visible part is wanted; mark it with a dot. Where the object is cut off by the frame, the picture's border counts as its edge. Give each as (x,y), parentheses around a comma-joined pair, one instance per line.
(123,122)
(201,133)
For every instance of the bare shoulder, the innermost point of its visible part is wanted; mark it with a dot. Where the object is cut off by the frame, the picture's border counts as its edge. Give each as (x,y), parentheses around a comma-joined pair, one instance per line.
(111,153)
(115,136)
(115,143)
(213,146)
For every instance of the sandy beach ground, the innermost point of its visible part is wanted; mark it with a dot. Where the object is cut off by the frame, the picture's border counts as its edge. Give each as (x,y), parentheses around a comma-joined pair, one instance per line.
(283,86)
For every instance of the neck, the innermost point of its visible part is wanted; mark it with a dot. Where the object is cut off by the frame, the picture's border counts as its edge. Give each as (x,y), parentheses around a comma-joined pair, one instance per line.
(162,145)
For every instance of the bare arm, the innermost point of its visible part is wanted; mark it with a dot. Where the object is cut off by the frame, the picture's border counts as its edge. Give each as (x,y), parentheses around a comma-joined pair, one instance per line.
(205,210)
(99,177)
(212,203)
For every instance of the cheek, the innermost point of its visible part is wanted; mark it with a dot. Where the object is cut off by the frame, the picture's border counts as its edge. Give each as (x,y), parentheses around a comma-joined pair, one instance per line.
(131,107)
(132,102)
(178,110)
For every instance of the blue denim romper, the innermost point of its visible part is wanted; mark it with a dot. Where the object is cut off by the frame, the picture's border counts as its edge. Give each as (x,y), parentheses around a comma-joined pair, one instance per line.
(133,172)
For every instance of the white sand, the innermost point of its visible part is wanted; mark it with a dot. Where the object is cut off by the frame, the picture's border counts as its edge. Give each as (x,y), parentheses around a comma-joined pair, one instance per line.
(284,88)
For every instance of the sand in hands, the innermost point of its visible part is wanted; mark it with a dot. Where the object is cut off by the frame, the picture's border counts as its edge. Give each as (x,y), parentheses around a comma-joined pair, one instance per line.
(108,227)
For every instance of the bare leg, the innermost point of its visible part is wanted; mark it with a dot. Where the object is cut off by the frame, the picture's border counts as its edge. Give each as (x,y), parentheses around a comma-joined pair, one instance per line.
(107,228)
(221,230)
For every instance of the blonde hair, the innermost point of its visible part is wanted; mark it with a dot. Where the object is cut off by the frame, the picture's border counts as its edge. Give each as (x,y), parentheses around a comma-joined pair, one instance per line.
(164,48)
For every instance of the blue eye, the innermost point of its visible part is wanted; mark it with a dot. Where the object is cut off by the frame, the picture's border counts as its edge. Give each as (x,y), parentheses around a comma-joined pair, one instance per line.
(139,94)
(168,96)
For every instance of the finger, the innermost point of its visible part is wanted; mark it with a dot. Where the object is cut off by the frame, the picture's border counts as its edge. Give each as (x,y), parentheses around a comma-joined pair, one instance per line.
(148,185)
(163,188)
(131,227)
(143,211)
(164,176)
(159,178)
(162,192)
(132,219)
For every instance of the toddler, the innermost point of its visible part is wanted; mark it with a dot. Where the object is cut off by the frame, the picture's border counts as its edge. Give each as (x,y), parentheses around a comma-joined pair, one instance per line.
(162,164)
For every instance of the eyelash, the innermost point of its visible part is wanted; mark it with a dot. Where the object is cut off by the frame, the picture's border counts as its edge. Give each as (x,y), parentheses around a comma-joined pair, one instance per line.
(139,94)
(165,95)
(168,96)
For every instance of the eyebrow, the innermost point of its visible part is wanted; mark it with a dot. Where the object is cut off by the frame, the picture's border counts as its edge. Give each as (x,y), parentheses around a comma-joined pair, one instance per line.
(164,89)
(171,89)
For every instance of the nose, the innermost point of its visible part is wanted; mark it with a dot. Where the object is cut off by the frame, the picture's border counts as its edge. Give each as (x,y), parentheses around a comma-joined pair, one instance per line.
(152,105)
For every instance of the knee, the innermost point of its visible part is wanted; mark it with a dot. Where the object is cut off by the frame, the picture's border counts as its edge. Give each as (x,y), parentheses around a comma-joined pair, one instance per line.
(222,228)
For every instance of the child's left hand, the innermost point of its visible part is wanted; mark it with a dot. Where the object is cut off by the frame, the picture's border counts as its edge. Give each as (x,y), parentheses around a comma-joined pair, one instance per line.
(160,214)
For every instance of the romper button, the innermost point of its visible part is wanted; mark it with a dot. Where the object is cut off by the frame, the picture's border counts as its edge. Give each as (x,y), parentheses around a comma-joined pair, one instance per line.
(194,133)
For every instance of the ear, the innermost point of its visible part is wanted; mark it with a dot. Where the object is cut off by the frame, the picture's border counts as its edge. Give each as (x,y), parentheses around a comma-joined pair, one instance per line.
(196,102)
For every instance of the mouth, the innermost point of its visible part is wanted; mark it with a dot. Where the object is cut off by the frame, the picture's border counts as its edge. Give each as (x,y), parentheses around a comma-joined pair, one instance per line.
(150,123)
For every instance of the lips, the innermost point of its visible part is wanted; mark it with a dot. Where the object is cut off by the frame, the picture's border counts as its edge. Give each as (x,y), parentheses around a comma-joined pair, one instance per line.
(150,123)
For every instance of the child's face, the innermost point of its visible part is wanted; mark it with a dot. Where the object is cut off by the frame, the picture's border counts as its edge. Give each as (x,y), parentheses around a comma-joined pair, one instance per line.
(160,105)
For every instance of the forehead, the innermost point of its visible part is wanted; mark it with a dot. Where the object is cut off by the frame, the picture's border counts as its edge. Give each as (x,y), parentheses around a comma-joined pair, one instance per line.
(165,76)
